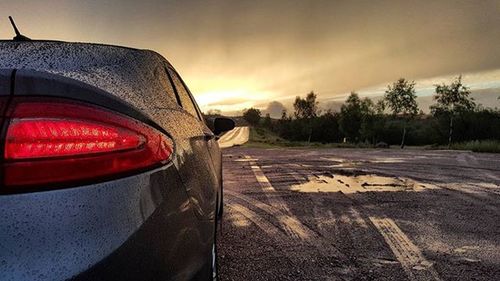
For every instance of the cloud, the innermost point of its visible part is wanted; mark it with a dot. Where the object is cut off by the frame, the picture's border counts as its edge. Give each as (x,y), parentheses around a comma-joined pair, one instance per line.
(274,50)
(274,109)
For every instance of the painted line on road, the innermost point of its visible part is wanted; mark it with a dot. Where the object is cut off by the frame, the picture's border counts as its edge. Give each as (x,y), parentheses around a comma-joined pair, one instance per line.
(278,208)
(294,229)
(266,226)
(264,182)
(292,251)
(407,253)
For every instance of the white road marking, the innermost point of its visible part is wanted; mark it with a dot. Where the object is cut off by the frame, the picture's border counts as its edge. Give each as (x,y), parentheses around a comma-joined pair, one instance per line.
(262,179)
(277,208)
(295,230)
(292,250)
(266,185)
(407,253)
(266,226)
(291,225)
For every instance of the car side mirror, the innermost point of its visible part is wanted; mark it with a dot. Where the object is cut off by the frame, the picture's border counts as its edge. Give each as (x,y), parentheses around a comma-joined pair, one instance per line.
(222,124)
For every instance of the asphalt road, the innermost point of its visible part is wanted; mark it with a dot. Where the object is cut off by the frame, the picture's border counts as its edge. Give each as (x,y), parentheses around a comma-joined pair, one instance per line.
(349,214)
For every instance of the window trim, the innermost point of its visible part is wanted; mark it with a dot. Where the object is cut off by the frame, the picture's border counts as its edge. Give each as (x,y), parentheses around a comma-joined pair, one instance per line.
(173,87)
(190,96)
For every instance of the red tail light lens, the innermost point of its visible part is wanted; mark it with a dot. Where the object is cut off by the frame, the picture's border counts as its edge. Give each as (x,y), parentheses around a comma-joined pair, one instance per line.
(55,142)
(38,138)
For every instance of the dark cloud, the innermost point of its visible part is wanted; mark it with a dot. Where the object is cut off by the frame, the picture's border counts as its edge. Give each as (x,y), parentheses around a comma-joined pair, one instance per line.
(487,98)
(286,47)
(333,106)
(274,109)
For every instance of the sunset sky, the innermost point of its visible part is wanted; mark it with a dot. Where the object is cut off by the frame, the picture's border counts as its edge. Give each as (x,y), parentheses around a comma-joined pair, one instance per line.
(237,54)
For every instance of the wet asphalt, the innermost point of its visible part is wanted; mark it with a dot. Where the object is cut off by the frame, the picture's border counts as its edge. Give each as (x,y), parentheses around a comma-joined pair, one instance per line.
(359,214)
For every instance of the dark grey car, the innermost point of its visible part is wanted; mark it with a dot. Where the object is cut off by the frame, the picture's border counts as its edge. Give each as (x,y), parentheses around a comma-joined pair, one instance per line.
(108,170)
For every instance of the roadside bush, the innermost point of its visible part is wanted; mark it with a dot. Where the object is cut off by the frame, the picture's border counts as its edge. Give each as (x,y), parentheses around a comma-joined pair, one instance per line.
(364,123)
(479,146)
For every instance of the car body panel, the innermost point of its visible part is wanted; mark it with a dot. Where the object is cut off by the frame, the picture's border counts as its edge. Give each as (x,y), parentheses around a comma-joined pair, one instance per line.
(134,76)
(55,235)
(161,221)
(5,81)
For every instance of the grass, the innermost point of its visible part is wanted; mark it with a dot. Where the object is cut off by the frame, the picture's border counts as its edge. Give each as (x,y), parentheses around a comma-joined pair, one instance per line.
(492,146)
(263,138)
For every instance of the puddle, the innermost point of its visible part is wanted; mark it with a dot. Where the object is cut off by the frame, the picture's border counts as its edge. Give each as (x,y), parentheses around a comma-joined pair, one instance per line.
(360,183)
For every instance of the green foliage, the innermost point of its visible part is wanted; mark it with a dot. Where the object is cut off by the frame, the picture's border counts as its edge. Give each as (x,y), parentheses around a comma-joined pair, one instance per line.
(323,128)
(492,146)
(357,118)
(252,116)
(264,138)
(401,99)
(351,117)
(267,121)
(452,99)
(365,123)
(307,107)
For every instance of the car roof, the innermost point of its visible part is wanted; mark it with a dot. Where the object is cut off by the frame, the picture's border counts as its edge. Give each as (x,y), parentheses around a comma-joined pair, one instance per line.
(136,76)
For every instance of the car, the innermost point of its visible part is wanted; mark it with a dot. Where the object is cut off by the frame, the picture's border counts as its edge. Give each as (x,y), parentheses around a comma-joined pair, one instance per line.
(108,169)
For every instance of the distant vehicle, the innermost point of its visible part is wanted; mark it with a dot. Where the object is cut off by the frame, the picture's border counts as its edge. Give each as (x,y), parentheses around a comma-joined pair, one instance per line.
(108,170)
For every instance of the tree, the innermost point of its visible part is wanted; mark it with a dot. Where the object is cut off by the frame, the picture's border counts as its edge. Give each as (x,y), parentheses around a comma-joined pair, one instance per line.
(452,100)
(369,120)
(252,116)
(357,118)
(327,128)
(305,110)
(401,99)
(307,107)
(351,117)
(380,107)
(267,121)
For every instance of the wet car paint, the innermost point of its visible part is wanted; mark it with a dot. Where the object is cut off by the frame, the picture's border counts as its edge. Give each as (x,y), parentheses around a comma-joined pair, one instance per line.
(5,77)
(163,218)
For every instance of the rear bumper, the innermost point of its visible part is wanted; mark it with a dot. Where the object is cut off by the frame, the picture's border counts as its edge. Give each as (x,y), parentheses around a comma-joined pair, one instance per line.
(136,228)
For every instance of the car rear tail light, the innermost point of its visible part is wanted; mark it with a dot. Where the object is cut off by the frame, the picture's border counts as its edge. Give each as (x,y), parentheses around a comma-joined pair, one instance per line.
(53,142)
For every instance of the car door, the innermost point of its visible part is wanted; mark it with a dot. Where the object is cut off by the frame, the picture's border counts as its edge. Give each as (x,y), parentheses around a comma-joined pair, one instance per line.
(212,144)
(196,170)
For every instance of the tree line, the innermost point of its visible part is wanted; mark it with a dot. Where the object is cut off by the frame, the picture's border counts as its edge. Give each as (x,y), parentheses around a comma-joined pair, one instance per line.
(393,119)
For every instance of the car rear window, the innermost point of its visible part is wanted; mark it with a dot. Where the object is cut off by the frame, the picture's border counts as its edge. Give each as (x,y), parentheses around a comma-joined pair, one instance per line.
(183,94)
